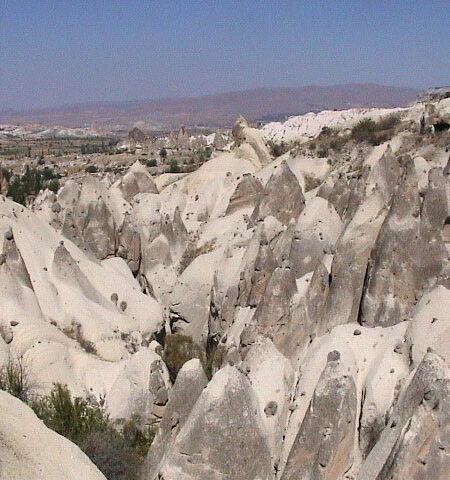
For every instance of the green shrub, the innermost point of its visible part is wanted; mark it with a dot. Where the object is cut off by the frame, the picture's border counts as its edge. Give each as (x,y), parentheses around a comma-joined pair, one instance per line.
(16,191)
(337,143)
(277,149)
(117,448)
(375,133)
(138,438)
(109,452)
(328,139)
(53,185)
(386,123)
(174,168)
(363,130)
(14,379)
(74,418)
(90,169)
(179,349)
(151,162)
(214,360)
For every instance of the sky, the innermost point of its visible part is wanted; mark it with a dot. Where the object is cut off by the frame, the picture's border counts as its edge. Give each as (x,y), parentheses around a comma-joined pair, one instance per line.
(69,51)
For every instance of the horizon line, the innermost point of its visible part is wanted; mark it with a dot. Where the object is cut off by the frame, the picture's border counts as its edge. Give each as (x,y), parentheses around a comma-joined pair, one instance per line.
(4,110)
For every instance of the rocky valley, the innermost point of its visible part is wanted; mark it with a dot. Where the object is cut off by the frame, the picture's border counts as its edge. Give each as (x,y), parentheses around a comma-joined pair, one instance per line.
(280,310)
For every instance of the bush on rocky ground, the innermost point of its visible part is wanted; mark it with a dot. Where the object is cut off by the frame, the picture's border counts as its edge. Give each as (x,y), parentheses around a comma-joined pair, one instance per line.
(116,447)
(151,162)
(214,360)
(173,166)
(278,149)
(91,169)
(14,379)
(179,349)
(328,140)
(374,133)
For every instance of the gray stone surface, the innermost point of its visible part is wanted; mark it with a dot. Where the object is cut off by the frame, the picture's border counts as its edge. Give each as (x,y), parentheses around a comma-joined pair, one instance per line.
(323,446)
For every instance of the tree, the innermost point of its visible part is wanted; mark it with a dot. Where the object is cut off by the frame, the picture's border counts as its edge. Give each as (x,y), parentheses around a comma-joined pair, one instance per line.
(53,185)
(163,153)
(16,191)
(174,168)
(31,183)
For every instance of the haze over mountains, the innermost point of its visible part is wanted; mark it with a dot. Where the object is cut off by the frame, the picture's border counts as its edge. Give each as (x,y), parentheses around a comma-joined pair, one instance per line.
(216,110)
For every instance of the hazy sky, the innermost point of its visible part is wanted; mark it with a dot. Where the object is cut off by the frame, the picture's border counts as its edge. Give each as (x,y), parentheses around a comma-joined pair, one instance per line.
(68,51)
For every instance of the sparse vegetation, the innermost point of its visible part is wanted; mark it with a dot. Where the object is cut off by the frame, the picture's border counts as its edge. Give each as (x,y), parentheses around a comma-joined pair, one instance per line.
(53,185)
(328,141)
(103,147)
(74,418)
(374,133)
(214,359)
(116,447)
(311,183)
(331,141)
(14,379)
(192,252)
(202,155)
(151,162)
(163,153)
(75,332)
(179,349)
(278,149)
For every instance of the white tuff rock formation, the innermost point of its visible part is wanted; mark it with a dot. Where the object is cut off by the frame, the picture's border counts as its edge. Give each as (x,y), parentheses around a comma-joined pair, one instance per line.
(317,290)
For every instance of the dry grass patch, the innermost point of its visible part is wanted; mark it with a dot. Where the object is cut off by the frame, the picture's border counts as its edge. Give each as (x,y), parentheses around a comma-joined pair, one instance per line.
(75,333)
(192,252)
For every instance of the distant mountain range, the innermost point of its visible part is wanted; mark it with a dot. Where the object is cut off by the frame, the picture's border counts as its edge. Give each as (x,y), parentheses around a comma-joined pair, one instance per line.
(216,110)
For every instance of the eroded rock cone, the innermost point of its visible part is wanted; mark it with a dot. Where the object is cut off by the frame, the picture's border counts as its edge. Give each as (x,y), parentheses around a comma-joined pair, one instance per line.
(207,443)
(323,446)
(282,197)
